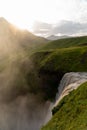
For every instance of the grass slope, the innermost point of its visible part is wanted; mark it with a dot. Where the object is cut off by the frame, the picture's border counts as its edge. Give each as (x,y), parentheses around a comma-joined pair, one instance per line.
(71,113)
(67,42)
(66,60)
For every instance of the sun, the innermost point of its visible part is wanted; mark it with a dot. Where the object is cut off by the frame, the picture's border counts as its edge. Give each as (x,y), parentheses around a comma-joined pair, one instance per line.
(24,13)
(20,12)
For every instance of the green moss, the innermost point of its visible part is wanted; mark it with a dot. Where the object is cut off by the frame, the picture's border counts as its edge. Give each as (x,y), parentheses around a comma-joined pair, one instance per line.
(71,113)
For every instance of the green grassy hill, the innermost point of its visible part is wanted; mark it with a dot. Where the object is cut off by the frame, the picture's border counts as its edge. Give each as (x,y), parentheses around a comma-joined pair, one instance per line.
(67,42)
(66,60)
(71,113)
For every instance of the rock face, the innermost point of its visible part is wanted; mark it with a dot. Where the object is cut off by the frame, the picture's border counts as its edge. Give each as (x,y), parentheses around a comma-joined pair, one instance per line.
(69,82)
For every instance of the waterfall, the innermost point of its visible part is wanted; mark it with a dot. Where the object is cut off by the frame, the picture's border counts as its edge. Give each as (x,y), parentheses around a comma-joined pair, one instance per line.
(69,82)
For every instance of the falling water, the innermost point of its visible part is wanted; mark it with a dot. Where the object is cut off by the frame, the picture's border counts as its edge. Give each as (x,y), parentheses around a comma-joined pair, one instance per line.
(69,82)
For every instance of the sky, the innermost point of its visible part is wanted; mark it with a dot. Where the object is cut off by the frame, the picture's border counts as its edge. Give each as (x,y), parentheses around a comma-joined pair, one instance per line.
(47,17)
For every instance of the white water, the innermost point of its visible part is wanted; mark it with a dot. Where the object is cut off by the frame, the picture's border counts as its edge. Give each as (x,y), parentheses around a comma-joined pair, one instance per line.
(69,82)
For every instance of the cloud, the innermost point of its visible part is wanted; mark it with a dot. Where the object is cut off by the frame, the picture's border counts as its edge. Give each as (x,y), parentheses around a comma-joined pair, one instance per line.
(42,28)
(84,0)
(70,28)
(63,28)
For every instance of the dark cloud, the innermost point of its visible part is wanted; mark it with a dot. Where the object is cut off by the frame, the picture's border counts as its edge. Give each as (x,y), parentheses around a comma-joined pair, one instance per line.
(63,28)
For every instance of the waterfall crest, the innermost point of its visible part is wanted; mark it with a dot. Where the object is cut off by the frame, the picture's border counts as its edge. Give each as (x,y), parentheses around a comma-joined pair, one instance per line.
(69,82)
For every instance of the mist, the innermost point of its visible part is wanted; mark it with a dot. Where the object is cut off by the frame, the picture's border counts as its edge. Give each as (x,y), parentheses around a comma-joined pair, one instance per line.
(24,113)
(20,109)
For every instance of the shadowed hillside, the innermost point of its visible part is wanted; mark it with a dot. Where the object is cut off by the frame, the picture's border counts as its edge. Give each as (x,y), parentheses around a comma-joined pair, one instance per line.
(52,65)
